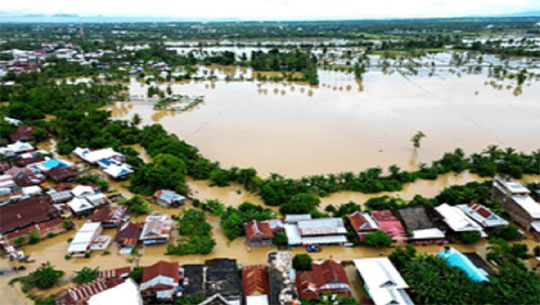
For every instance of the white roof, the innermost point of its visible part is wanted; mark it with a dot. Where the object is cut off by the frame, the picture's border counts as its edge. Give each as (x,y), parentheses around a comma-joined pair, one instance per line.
(17,147)
(82,189)
(529,205)
(293,235)
(79,204)
(257,300)
(126,293)
(384,283)
(118,170)
(96,155)
(296,217)
(158,280)
(456,219)
(12,121)
(493,220)
(512,186)
(432,233)
(86,234)
(324,240)
(321,226)
(31,190)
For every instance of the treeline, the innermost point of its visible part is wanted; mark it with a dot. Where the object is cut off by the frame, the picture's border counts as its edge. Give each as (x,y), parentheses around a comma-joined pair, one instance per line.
(291,61)
(195,234)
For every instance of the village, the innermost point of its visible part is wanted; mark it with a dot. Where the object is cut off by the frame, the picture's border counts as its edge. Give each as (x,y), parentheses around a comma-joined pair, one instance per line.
(41,199)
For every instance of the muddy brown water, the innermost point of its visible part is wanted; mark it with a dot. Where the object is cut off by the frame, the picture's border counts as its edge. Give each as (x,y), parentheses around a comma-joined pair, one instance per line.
(344,125)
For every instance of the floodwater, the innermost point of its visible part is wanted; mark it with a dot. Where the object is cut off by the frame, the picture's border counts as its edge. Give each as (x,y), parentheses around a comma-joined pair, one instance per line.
(345,125)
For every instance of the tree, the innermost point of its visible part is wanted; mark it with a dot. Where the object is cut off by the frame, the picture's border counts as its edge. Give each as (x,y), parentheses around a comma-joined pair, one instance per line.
(280,239)
(43,277)
(508,233)
(33,237)
(136,120)
(302,262)
(417,138)
(470,237)
(136,205)
(377,239)
(136,275)
(86,275)
(219,177)
(301,203)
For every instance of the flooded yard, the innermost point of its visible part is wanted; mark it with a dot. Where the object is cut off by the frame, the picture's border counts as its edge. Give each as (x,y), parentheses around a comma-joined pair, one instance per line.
(342,124)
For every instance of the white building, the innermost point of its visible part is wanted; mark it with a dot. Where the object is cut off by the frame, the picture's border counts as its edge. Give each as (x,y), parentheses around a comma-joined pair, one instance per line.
(96,155)
(322,231)
(82,241)
(126,293)
(382,281)
(456,219)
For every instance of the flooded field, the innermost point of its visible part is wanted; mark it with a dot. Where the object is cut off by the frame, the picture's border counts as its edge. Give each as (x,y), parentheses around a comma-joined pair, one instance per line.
(346,125)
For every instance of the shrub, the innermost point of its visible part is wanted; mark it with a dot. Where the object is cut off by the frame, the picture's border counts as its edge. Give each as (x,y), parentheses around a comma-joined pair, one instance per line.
(302,262)
(471,237)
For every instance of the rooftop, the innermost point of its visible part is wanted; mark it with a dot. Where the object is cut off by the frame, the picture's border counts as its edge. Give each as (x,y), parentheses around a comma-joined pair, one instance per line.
(415,218)
(529,205)
(24,213)
(254,280)
(484,216)
(457,259)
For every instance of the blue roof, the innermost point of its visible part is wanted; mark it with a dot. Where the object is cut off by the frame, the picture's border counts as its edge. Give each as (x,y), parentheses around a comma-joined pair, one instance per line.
(457,259)
(52,163)
(106,162)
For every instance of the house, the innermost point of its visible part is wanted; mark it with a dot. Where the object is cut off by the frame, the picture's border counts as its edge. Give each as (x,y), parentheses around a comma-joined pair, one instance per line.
(316,232)
(457,259)
(118,172)
(80,206)
(55,226)
(324,277)
(504,188)
(98,199)
(294,218)
(52,164)
(456,219)
(82,241)
(93,157)
(23,134)
(122,272)
(12,150)
(110,217)
(281,279)
(24,213)
(216,299)
(28,180)
(156,230)
(258,233)
(390,225)
(222,277)
(168,198)
(383,283)
(59,197)
(79,295)
(362,224)
(482,215)
(255,284)
(126,293)
(524,210)
(28,161)
(160,281)
(127,236)
(192,281)
(66,174)
(81,190)
(419,224)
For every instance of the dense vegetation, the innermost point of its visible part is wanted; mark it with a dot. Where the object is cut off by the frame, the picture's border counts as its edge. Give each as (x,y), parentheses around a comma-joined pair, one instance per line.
(195,234)
(233,219)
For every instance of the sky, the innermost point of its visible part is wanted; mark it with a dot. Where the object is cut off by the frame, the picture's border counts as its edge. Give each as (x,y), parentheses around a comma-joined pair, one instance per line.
(271,9)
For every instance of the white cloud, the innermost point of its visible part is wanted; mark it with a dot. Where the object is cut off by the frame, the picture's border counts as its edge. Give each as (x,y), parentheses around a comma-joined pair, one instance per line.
(273,9)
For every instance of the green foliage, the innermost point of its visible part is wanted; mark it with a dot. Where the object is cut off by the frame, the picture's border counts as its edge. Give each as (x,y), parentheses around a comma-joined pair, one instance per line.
(86,275)
(301,203)
(43,277)
(136,205)
(213,206)
(343,209)
(280,239)
(479,192)
(93,179)
(378,239)
(165,172)
(136,274)
(508,233)
(40,134)
(302,262)
(234,218)
(196,234)
(470,237)
(33,237)
(190,300)
(292,61)
(20,240)
(416,139)
(219,177)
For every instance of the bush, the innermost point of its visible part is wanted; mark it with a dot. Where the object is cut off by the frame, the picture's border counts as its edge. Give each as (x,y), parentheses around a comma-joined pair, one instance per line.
(20,240)
(280,239)
(86,275)
(302,262)
(377,239)
(33,237)
(470,237)
(508,233)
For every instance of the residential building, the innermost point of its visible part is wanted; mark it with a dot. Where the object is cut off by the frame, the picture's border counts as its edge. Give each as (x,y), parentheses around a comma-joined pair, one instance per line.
(126,293)
(127,236)
(504,187)
(94,156)
(216,299)
(168,198)
(118,172)
(24,213)
(294,218)
(525,211)
(316,232)
(258,233)
(390,225)
(193,280)
(417,222)
(79,295)
(362,224)
(255,284)
(324,277)
(110,217)
(482,215)
(160,281)
(23,134)
(456,219)
(457,259)
(81,207)
(383,283)
(66,174)
(156,230)
(222,277)
(82,241)
(122,272)
(281,279)
(54,226)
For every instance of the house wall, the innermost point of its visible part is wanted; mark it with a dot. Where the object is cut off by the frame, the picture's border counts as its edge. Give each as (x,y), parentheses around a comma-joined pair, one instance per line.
(258,243)
(517,213)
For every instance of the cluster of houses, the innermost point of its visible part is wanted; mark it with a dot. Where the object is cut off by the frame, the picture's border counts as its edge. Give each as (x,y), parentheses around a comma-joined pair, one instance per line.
(109,161)
(420,225)
(221,281)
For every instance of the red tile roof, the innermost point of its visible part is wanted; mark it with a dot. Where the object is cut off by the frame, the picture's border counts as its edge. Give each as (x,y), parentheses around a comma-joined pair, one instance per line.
(389,224)
(315,282)
(161,268)
(258,230)
(109,214)
(128,233)
(254,280)
(23,133)
(47,226)
(24,213)
(359,222)
(114,273)
(26,161)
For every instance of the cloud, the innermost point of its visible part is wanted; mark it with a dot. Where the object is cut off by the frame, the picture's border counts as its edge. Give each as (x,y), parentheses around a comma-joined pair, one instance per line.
(273,9)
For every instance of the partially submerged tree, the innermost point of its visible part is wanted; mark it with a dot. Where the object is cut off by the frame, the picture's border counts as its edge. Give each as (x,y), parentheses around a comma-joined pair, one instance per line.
(417,138)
